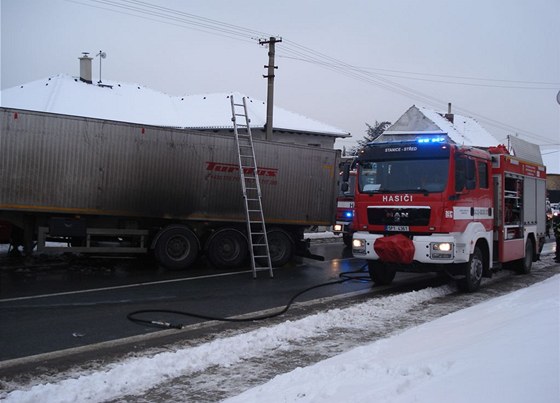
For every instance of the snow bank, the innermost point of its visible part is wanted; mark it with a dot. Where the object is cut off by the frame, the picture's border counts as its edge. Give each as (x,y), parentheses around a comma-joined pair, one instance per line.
(503,350)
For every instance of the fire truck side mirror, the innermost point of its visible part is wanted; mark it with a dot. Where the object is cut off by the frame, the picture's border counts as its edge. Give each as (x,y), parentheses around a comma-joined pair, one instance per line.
(344,187)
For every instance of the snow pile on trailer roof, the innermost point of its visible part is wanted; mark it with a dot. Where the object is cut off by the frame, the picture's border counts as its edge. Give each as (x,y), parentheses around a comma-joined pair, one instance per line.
(135,103)
(418,121)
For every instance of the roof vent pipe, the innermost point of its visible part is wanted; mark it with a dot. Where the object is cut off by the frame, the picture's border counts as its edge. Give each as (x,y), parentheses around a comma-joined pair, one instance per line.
(449,116)
(85,68)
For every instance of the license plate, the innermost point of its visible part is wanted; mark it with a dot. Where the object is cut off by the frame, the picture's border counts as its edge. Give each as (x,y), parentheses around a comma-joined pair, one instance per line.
(396,228)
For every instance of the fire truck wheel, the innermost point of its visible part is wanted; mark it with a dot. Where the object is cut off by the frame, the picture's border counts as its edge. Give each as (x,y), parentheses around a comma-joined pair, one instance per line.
(381,273)
(281,247)
(525,265)
(473,272)
(176,248)
(227,248)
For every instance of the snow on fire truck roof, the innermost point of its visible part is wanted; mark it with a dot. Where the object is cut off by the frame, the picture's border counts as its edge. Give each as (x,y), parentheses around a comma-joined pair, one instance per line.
(420,121)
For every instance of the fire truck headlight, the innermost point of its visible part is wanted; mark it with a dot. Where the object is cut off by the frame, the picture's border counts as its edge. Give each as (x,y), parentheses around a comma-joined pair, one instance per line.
(441,250)
(443,247)
(337,228)
(359,246)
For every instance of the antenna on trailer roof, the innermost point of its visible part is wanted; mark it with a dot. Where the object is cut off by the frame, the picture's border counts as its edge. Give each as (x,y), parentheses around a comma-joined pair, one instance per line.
(102,55)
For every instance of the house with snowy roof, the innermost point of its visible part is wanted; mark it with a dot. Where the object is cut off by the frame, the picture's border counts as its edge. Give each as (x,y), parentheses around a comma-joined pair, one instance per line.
(418,122)
(132,103)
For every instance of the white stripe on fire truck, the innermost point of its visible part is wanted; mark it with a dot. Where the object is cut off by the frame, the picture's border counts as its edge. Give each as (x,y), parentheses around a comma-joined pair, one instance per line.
(464,213)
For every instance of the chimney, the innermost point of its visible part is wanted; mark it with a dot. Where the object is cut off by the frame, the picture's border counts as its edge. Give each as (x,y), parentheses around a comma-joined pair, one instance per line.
(449,116)
(85,68)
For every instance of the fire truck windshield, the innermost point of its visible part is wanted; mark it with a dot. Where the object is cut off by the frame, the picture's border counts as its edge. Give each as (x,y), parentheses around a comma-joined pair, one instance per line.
(407,175)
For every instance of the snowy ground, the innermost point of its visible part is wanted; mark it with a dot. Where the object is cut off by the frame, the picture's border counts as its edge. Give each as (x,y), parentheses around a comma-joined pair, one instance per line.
(503,349)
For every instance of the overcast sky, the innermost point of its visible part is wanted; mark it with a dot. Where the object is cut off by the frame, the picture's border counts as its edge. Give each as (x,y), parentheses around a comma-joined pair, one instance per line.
(344,63)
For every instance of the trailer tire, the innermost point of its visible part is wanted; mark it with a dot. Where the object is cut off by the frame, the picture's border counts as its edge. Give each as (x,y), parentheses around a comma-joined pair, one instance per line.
(176,248)
(227,248)
(381,273)
(281,248)
(524,266)
(473,272)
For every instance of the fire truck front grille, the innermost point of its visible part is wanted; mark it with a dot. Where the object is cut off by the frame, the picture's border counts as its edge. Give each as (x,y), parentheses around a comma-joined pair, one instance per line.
(415,216)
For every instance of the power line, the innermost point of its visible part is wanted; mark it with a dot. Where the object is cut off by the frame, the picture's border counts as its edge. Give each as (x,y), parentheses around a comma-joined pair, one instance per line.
(449,82)
(165,15)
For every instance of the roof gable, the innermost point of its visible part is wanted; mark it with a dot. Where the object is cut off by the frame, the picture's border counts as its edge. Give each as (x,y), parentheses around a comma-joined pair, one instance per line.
(420,121)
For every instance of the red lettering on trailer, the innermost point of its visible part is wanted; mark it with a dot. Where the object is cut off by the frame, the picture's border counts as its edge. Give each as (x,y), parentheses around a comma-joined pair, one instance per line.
(230,168)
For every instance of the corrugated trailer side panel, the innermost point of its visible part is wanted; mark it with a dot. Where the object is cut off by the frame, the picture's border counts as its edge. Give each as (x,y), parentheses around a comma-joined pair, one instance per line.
(56,163)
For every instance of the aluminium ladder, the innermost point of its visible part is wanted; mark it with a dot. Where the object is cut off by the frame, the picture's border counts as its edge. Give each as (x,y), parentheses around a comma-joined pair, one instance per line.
(248,172)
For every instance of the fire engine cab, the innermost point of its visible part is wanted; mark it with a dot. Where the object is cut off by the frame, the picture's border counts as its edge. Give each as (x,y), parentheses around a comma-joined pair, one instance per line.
(433,206)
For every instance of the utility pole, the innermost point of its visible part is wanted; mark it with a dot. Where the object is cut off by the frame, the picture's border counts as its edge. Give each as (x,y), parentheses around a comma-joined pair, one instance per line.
(271,42)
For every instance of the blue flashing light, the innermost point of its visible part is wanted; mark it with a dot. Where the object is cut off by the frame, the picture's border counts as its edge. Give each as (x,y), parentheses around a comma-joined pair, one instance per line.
(426,140)
(348,214)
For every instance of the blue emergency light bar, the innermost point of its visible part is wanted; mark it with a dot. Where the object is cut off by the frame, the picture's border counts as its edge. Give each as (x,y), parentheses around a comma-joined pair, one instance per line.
(425,140)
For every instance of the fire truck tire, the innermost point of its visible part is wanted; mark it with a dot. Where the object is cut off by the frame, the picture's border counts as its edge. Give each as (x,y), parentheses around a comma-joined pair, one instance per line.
(176,248)
(281,247)
(525,265)
(473,272)
(227,248)
(381,273)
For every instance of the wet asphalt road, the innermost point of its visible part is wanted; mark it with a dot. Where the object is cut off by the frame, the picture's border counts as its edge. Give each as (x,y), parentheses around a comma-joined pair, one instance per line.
(60,305)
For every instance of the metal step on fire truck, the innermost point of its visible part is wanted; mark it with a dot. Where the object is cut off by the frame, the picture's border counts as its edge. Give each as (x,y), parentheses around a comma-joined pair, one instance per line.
(433,206)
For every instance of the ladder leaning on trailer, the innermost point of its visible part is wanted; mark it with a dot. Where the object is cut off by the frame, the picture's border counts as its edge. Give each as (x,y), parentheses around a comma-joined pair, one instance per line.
(250,185)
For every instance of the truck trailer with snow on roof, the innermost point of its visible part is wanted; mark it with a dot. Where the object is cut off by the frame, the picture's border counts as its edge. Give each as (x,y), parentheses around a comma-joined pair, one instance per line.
(114,187)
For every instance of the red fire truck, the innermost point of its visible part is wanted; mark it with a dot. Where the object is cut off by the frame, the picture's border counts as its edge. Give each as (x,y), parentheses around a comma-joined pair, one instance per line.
(433,206)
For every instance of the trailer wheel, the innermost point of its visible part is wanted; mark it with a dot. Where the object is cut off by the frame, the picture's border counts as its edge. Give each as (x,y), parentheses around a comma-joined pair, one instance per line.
(281,248)
(473,272)
(525,265)
(176,248)
(381,273)
(227,248)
